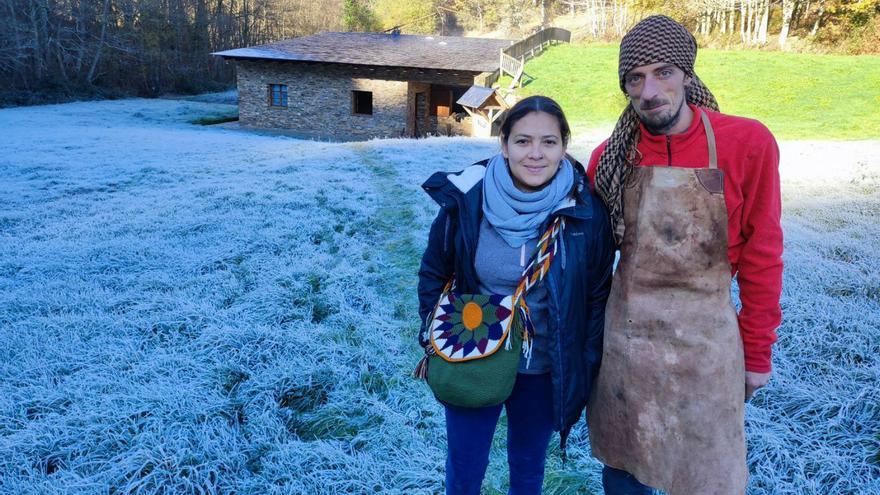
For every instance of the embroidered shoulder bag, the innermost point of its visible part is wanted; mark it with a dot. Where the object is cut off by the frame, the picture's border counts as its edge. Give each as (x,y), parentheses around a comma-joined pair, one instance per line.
(475,340)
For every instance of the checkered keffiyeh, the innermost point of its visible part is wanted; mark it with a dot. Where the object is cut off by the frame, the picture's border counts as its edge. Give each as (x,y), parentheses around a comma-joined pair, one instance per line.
(654,39)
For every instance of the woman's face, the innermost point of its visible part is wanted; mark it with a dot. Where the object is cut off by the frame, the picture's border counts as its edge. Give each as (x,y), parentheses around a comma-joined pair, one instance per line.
(534,150)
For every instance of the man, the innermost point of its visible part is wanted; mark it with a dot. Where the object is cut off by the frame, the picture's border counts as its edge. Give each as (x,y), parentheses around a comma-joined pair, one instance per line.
(694,199)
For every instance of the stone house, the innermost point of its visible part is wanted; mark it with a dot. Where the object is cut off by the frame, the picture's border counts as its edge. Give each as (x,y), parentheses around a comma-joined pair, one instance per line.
(353,86)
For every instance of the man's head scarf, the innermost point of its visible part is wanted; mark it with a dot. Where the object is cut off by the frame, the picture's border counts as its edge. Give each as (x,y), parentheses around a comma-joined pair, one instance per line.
(654,39)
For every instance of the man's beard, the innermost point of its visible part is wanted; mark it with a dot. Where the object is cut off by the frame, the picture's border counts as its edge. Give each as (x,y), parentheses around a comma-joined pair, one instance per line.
(660,123)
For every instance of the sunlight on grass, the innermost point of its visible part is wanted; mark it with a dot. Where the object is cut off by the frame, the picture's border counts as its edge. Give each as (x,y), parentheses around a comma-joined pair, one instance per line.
(798,96)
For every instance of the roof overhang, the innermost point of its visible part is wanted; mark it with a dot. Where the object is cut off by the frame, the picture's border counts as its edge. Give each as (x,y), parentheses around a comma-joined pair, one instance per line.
(379,49)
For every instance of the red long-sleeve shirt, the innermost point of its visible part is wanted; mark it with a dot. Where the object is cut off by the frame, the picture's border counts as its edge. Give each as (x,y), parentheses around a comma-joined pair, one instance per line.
(749,157)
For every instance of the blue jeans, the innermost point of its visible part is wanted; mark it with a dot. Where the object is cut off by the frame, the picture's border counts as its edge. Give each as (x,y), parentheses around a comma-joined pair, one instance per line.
(469,435)
(620,482)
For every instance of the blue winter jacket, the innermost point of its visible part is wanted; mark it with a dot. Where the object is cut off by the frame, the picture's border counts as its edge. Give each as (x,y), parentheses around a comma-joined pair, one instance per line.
(578,282)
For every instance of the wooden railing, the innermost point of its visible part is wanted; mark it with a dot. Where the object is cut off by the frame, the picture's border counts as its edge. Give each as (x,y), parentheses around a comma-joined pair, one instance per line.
(513,58)
(510,65)
(528,47)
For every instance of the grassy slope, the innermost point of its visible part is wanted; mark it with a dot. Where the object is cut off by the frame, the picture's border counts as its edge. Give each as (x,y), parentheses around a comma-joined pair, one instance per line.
(797,96)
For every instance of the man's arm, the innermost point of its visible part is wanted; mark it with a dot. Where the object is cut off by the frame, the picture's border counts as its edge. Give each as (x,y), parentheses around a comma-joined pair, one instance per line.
(594,161)
(760,262)
(754,381)
(598,282)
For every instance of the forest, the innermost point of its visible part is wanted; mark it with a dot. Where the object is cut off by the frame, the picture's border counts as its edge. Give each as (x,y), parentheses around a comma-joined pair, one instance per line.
(58,50)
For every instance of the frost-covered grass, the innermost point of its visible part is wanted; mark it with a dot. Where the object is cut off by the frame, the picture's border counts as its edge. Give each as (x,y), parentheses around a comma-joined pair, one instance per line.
(186,309)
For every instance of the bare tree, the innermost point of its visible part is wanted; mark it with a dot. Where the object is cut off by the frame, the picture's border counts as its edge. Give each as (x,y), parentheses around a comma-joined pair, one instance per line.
(59,48)
(90,78)
(787,11)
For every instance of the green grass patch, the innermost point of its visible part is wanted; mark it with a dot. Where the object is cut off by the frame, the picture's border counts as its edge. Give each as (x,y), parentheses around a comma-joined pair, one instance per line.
(215,119)
(798,96)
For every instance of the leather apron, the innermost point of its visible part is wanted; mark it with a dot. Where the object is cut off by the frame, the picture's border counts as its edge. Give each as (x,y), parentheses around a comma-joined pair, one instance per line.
(668,403)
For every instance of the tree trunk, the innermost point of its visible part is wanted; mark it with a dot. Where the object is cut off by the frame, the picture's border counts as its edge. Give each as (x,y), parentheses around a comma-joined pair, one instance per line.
(765,18)
(749,16)
(757,9)
(731,17)
(787,10)
(40,22)
(219,41)
(594,24)
(90,78)
(615,5)
(245,24)
(61,60)
(79,30)
(799,9)
(818,19)
(710,20)
(17,60)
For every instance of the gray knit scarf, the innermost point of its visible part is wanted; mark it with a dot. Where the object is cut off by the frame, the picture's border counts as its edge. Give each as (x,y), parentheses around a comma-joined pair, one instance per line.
(518,215)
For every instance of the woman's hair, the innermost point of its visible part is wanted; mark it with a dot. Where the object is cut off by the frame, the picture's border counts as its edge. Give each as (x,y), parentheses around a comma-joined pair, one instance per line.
(535,104)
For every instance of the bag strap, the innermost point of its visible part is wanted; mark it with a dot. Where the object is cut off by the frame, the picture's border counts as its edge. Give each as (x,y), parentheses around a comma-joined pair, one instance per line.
(539,265)
(533,273)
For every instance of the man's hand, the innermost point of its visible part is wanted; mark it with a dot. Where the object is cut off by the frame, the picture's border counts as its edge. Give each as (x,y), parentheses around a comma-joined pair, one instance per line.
(754,381)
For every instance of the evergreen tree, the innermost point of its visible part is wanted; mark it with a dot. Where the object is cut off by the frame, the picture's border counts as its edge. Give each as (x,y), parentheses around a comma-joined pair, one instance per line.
(358,16)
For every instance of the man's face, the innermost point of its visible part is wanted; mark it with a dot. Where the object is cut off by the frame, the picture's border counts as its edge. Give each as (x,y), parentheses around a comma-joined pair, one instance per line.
(657,94)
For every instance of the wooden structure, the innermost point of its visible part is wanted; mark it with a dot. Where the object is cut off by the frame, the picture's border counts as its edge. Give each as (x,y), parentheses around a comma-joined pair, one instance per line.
(484,105)
(514,57)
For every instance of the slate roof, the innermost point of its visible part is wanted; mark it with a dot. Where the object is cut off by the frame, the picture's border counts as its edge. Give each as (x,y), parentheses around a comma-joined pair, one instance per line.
(404,50)
(475,96)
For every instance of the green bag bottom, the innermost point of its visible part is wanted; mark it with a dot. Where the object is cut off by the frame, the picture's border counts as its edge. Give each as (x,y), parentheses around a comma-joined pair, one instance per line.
(477,383)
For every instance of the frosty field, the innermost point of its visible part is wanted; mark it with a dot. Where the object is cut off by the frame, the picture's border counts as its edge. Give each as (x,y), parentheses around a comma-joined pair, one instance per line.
(193,310)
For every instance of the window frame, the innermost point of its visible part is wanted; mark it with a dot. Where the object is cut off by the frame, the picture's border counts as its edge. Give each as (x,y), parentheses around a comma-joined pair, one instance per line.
(355,99)
(282,95)
(449,96)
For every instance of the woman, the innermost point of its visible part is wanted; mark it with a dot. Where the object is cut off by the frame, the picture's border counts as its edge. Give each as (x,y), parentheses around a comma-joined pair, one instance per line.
(491,215)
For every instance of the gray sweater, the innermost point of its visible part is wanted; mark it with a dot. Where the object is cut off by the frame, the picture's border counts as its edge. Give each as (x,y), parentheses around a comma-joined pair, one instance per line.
(499,268)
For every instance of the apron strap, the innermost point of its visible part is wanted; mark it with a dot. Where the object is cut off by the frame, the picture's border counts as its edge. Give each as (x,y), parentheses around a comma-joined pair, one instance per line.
(710,137)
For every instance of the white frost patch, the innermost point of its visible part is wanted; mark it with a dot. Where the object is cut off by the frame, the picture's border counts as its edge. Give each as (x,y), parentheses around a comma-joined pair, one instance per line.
(188,309)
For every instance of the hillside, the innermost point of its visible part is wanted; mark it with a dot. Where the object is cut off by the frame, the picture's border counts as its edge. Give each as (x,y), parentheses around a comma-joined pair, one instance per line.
(798,96)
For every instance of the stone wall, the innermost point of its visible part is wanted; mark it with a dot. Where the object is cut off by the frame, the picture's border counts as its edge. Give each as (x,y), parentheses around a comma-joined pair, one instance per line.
(320,99)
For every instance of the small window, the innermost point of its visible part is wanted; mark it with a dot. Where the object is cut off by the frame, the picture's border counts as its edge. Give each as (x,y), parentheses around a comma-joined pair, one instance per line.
(362,102)
(441,101)
(278,95)
(444,100)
